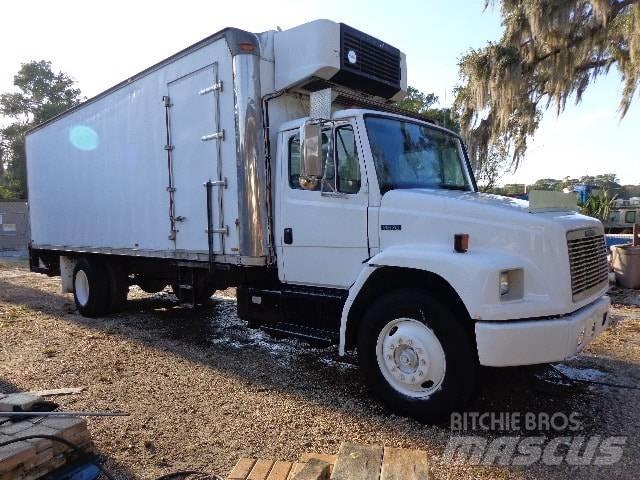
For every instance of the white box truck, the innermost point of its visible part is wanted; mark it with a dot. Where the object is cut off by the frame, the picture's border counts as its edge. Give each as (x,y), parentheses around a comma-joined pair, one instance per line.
(276,163)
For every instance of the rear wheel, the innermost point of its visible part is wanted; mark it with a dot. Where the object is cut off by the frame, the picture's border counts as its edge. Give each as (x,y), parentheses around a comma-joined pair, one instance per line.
(416,356)
(118,287)
(150,284)
(90,287)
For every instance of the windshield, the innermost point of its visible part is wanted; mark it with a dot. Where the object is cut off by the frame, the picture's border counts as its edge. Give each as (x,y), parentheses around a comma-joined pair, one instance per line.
(413,155)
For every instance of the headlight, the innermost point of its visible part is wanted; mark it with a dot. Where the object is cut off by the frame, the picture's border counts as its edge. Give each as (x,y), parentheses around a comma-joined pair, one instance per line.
(511,284)
(505,283)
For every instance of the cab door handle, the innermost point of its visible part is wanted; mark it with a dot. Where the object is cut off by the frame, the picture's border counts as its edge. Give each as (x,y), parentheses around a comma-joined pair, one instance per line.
(288,236)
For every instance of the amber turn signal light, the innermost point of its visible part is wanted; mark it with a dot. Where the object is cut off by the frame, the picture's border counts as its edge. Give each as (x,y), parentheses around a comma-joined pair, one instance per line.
(246,46)
(461,242)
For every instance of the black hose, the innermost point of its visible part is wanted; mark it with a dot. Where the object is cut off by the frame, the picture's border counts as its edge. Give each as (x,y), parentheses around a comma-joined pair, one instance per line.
(267,158)
(171,476)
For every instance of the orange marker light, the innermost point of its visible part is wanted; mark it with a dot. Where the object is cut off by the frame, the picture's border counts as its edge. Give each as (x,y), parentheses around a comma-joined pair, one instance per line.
(246,46)
(461,242)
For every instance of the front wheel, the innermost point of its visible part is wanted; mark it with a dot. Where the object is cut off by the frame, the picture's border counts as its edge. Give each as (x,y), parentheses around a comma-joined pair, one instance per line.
(416,356)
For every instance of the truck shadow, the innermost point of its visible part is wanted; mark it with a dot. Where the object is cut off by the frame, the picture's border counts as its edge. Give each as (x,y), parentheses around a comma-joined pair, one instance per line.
(215,337)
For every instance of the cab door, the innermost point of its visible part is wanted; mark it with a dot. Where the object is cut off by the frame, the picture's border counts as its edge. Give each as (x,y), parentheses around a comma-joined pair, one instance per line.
(323,229)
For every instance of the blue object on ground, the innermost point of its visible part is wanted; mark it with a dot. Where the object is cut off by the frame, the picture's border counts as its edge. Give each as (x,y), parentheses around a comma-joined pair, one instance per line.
(618,239)
(84,471)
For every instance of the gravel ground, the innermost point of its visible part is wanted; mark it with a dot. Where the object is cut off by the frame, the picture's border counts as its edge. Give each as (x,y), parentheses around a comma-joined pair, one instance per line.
(204,390)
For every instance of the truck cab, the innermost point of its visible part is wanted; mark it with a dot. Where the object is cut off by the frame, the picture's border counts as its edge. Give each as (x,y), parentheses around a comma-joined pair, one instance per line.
(379,218)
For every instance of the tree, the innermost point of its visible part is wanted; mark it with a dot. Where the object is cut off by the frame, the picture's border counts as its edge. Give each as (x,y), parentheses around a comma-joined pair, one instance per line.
(42,94)
(599,206)
(550,51)
(487,173)
(423,104)
(607,183)
(417,101)
(3,149)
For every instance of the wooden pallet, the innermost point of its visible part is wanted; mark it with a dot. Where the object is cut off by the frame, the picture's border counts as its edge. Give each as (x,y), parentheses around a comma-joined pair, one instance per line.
(353,462)
(37,457)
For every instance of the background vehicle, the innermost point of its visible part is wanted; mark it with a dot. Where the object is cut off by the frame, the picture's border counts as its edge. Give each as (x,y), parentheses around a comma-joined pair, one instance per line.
(274,162)
(624,214)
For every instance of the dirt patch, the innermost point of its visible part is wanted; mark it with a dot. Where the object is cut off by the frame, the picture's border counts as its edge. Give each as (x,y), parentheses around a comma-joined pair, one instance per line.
(204,390)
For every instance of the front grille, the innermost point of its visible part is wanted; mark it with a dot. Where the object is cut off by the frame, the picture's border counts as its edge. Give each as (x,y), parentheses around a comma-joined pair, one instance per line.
(587,261)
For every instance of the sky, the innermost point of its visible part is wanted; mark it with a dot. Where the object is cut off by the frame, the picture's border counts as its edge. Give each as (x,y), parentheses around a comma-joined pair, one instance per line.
(100,43)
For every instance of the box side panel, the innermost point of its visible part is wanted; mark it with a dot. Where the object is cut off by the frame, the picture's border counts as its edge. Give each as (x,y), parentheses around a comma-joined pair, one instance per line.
(98,176)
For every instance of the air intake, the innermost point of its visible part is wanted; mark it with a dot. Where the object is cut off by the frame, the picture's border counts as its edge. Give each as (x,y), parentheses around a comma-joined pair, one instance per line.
(588,262)
(368,64)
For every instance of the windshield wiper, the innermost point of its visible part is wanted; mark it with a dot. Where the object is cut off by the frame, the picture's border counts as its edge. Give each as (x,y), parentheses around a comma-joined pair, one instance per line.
(446,186)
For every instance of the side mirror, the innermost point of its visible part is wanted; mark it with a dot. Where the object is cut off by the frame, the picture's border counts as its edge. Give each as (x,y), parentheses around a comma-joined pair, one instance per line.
(310,155)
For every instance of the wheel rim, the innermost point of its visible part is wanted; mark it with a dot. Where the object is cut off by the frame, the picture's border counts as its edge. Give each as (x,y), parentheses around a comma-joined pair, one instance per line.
(411,357)
(81,284)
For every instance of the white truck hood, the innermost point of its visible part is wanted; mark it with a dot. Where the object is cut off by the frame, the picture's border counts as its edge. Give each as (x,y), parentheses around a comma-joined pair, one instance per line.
(502,234)
(483,207)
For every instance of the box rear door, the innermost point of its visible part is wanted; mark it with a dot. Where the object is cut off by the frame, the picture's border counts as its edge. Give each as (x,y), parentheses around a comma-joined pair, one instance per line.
(195,139)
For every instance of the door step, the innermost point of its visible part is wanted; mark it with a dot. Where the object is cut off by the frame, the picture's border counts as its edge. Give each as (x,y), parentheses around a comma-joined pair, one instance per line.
(313,336)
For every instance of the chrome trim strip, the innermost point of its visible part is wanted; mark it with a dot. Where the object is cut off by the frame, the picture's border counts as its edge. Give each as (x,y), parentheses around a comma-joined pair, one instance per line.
(583,232)
(197,256)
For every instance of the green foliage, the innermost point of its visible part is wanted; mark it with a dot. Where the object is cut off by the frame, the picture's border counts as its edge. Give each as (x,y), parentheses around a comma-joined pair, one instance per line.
(607,182)
(511,189)
(417,101)
(490,171)
(423,104)
(599,206)
(550,51)
(42,94)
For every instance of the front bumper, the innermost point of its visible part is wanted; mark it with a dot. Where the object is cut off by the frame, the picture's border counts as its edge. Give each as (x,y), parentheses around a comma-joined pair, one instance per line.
(532,341)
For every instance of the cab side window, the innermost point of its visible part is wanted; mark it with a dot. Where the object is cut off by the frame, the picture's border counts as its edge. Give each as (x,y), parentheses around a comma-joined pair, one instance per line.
(347,157)
(294,161)
(348,178)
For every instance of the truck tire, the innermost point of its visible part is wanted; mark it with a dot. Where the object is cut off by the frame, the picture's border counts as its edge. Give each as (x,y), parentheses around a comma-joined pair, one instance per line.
(118,287)
(150,284)
(416,356)
(90,287)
